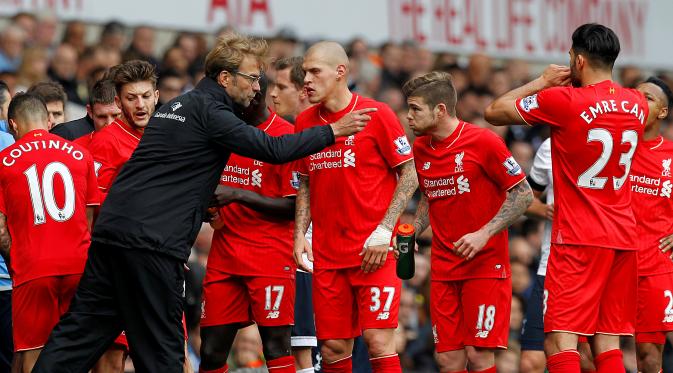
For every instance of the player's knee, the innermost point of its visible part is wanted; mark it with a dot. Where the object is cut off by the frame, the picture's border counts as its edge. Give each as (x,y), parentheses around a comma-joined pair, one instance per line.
(649,359)
(275,341)
(451,361)
(380,342)
(532,362)
(480,358)
(334,349)
(212,353)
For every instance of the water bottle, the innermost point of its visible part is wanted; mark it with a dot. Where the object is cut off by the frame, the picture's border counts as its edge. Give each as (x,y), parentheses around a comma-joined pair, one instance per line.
(406,239)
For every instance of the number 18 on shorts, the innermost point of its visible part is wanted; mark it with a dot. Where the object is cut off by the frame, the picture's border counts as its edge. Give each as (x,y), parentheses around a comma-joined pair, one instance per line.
(472,312)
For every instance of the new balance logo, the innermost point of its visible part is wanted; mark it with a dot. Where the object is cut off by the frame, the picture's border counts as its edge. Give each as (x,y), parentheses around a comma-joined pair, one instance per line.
(426,166)
(256,178)
(383,316)
(349,158)
(273,315)
(176,105)
(463,184)
(666,189)
(482,334)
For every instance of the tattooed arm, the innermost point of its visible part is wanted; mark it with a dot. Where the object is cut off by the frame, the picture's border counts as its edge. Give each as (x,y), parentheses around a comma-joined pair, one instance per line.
(374,256)
(5,239)
(422,217)
(519,197)
(302,219)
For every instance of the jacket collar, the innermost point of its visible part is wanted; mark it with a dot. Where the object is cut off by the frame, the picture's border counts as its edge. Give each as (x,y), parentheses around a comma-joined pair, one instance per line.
(216,91)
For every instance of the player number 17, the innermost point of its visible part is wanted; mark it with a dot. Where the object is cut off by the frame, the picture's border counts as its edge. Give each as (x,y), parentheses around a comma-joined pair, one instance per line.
(589,178)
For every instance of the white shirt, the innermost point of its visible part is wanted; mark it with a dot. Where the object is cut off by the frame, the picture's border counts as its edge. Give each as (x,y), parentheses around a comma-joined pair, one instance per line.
(541,174)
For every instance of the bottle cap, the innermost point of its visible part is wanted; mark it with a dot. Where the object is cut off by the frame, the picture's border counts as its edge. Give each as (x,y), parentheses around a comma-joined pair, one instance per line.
(405,229)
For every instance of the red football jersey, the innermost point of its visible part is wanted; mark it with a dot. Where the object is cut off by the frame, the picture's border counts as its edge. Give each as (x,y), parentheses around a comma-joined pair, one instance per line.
(466,178)
(46,183)
(651,184)
(252,243)
(351,182)
(594,134)
(111,148)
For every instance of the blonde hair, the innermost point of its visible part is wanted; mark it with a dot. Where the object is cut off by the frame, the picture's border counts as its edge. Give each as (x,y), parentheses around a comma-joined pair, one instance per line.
(229,51)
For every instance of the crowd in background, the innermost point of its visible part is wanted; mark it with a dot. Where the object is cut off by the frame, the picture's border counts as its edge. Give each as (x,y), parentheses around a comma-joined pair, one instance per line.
(39,48)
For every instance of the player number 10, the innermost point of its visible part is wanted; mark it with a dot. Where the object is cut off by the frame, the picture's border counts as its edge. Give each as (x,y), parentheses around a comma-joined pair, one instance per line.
(589,178)
(42,193)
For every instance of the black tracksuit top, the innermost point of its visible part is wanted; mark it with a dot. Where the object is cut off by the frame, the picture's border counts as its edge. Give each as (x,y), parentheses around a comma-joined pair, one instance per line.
(158,200)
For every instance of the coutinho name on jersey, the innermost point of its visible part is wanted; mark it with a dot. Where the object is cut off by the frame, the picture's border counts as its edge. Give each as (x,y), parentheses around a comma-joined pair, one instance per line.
(612,106)
(30,146)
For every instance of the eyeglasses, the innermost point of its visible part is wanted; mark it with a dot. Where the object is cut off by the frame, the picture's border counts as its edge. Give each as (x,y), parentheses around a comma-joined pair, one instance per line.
(251,78)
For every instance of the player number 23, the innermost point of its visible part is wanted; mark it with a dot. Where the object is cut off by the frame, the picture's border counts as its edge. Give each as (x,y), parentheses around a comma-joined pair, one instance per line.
(588,179)
(42,193)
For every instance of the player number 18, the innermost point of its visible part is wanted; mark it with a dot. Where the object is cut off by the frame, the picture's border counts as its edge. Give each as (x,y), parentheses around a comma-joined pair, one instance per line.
(589,178)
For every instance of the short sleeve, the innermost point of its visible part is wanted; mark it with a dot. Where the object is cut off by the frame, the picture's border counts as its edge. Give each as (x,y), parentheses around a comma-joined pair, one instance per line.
(390,136)
(106,158)
(93,195)
(499,164)
(549,106)
(539,172)
(300,165)
(286,180)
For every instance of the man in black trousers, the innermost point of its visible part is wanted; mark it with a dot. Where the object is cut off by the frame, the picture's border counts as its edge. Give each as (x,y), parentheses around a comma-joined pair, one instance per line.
(134,276)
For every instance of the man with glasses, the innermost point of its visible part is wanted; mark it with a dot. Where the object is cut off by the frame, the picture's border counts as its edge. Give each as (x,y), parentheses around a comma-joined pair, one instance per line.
(134,276)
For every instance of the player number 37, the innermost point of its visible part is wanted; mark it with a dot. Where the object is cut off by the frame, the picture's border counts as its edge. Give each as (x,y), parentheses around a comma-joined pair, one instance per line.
(589,178)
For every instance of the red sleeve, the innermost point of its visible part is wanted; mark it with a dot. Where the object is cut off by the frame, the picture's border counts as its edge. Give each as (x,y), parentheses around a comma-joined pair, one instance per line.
(288,180)
(93,195)
(499,164)
(300,165)
(390,136)
(105,154)
(549,106)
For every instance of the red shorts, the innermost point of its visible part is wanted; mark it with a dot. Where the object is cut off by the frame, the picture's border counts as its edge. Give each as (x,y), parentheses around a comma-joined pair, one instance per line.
(229,299)
(347,301)
(591,290)
(472,312)
(655,305)
(37,306)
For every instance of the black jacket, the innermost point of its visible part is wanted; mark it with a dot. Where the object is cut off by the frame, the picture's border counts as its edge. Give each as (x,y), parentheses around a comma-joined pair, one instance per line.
(158,200)
(74,129)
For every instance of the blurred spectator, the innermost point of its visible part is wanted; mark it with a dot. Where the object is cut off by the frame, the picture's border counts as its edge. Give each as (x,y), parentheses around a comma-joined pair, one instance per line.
(75,35)
(63,70)
(516,316)
(142,46)
(54,96)
(6,139)
(283,45)
(523,153)
(521,251)
(170,85)
(174,59)
(518,71)
(45,32)
(28,23)
(12,40)
(630,76)
(479,72)
(189,45)
(33,68)
(500,83)
(392,74)
(113,35)
(521,280)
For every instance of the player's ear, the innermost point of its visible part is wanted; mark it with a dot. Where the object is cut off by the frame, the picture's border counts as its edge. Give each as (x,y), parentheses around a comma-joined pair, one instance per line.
(89,111)
(341,72)
(440,110)
(13,127)
(156,96)
(118,102)
(223,78)
(663,113)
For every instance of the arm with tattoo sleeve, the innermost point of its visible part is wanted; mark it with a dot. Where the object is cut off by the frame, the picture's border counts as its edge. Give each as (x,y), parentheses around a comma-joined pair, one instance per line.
(302,219)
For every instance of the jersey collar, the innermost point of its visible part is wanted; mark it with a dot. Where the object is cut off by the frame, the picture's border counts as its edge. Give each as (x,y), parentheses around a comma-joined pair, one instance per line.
(128,129)
(449,140)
